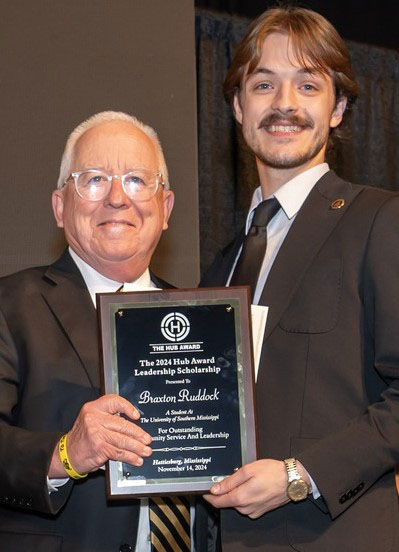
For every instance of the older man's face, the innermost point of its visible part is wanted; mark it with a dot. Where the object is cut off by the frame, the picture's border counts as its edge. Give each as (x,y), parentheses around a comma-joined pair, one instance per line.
(115,235)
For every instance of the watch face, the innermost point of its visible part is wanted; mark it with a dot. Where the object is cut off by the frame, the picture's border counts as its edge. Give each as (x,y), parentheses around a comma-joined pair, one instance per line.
(298,490)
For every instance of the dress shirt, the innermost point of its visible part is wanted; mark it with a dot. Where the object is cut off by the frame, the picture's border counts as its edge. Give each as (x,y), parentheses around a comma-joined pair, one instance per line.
(97,283)
(291,197)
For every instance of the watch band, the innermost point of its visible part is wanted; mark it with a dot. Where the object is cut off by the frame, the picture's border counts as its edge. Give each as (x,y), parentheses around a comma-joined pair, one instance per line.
(297,489)
(292,470)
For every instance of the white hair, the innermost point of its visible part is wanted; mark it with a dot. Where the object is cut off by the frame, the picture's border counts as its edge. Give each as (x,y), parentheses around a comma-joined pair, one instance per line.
(99,119)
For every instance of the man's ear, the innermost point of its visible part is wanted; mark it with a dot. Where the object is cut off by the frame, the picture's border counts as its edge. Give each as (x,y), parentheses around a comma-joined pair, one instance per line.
(338,112)
(168,202)
(57,202)
(237,107)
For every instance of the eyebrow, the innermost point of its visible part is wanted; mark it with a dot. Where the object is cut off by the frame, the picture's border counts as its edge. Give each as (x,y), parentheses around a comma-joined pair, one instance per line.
(266,71)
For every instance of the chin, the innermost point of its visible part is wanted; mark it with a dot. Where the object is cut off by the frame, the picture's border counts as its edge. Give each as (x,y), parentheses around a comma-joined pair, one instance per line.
(288,160)
(113,255)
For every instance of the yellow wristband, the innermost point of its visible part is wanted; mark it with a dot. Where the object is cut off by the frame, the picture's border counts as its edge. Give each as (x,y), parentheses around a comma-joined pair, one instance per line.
(62,449)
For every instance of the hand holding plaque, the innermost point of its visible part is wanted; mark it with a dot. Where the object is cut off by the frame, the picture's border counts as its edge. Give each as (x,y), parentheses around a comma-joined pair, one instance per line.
(98,436)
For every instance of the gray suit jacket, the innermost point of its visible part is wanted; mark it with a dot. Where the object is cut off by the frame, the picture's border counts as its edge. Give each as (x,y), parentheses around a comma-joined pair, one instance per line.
(328,385)
(49,367)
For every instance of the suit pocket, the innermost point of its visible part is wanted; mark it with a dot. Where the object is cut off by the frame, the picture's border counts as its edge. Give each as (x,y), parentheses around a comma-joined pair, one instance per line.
(315,305)
(19,542)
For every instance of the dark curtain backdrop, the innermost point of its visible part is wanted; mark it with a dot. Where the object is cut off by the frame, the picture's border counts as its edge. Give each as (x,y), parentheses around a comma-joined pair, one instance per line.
(227,172)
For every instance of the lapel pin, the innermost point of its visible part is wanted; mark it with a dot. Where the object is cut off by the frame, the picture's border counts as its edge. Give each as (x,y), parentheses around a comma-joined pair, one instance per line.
(337,204)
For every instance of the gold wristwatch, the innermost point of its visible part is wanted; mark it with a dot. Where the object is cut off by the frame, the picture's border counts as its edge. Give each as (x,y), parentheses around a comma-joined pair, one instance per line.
(297,488)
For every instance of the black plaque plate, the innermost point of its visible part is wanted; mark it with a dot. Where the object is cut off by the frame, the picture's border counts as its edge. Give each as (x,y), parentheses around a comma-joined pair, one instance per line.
(184,359)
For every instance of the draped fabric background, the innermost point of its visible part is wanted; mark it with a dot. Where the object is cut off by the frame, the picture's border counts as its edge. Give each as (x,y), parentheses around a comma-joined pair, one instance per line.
(227,171)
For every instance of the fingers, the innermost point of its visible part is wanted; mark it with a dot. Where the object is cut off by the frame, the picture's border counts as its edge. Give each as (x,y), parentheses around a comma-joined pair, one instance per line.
(123,426)
(113,446)
(231,492)
(254,489)
(99,434)
(231,499)
(231,482)
(114,404)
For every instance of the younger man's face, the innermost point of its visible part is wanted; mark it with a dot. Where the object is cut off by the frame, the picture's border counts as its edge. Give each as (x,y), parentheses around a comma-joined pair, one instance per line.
(286,112)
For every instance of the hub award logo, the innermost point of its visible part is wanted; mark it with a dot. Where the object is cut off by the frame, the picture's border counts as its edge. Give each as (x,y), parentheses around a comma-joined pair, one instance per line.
(175,326)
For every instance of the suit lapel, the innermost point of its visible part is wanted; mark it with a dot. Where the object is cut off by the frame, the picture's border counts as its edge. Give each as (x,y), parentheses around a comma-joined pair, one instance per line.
(220,270)
(70,302)
(311,228)
(161,284)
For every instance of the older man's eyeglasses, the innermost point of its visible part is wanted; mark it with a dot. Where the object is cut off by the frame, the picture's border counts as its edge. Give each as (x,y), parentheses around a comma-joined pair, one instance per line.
(95,185)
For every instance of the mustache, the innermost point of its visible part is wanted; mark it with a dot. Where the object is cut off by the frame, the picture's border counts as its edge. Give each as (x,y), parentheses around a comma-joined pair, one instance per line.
(295,120)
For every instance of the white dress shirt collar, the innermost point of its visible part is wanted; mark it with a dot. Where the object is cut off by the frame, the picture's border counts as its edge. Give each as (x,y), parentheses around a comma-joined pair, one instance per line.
(97,283)
(292,194)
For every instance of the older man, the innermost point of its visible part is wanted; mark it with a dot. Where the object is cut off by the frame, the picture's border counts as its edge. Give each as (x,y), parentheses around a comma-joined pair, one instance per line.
(113,201)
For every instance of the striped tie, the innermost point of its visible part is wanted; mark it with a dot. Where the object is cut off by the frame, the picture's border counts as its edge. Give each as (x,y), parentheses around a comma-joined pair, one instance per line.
(170,523)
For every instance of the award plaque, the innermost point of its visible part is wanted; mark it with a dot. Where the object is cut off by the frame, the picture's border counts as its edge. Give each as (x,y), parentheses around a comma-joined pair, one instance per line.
(184,359)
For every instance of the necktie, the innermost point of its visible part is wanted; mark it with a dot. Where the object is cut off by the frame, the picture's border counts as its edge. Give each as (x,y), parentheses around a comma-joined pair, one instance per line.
(253,251)
(170,524)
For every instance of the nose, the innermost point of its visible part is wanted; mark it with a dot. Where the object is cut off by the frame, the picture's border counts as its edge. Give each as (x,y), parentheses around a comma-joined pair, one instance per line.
(285,98)
(116,197)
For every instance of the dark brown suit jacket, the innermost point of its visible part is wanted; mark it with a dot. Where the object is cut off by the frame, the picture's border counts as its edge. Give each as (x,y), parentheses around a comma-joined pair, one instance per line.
(328,384)
(49,367)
